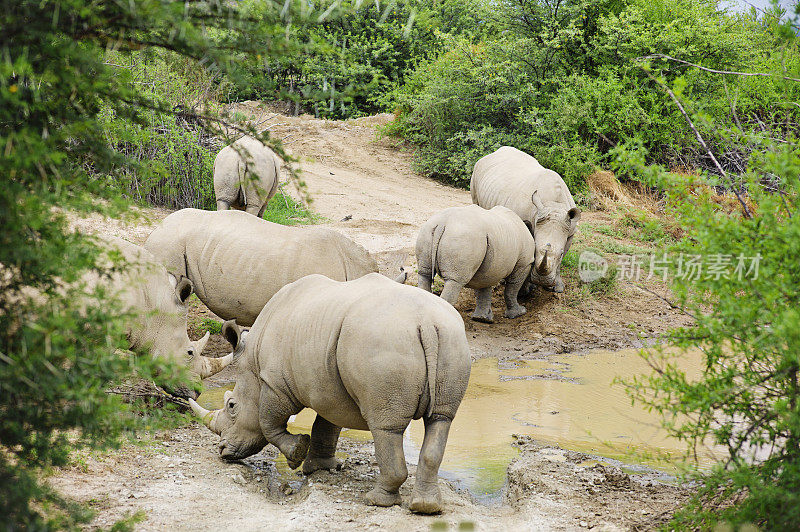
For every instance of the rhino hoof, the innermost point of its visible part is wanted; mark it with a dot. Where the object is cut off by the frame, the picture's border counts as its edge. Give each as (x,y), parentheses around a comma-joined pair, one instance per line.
(299,452)
(315,463)
(483,318)
(380,497)
(515,312)
(426,505)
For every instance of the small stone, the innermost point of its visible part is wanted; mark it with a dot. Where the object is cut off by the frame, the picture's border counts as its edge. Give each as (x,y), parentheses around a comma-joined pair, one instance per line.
(239,479)
(288,491)
(258,479)
(584,524)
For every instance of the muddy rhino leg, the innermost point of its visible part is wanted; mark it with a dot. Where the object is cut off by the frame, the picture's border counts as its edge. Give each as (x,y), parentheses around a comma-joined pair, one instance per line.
(483,305)
(223,205)
(451,291)
(324,436)
(424,278)
(513,308)
(392,464)
(426,498)
(274,412)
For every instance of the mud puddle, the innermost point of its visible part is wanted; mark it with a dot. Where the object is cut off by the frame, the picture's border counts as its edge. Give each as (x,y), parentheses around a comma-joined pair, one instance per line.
(569,400)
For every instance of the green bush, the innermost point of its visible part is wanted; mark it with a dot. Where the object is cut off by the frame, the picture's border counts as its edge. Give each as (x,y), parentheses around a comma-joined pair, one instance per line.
(61,348)
(746,399)
(567,85)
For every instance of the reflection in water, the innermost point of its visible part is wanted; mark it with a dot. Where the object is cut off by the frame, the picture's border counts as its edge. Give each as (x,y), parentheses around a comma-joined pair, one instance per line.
(566,399)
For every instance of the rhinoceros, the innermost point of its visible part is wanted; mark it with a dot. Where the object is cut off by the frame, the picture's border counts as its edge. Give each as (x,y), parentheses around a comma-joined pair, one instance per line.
(369,354)
(157,299)
(246,176)
(514,179)
(237,261)
(477,248)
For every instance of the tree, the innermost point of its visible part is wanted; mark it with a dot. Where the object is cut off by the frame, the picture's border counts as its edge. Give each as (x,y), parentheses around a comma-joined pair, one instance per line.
(57,355)
(747,325)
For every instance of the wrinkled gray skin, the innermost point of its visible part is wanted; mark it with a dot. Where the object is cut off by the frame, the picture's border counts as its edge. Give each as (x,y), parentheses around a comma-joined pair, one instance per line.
(477,248)
(158,299)
(539,196)
(237,262)
(368,354)
(246,176)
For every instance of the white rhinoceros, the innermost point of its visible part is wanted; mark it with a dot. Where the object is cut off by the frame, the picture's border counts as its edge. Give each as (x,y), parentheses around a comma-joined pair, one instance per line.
(514,179)
(157,299)
(246,176)
(368,354)
(477,248)
(237,261)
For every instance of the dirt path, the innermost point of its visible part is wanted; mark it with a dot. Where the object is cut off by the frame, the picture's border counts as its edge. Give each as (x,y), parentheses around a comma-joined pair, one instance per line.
(366,188)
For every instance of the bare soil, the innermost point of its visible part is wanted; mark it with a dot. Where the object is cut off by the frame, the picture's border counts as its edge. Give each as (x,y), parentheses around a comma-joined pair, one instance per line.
(365,187)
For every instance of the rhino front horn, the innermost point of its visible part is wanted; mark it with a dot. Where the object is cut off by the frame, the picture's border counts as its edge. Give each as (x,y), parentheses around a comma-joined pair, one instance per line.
(208,416)
(211,366)
(541,269)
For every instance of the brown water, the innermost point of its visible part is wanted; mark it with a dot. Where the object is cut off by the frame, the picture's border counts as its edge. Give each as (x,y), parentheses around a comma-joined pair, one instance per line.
(565,399)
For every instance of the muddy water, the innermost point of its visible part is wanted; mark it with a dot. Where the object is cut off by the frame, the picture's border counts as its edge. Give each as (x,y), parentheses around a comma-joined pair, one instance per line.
(564,399)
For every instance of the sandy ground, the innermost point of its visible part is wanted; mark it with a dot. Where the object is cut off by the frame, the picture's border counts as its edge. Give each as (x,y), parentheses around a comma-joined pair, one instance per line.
(365,188)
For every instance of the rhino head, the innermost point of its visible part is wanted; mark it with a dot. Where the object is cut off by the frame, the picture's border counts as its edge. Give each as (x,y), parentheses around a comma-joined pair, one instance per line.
(552,228)
(165,332)
(237,422)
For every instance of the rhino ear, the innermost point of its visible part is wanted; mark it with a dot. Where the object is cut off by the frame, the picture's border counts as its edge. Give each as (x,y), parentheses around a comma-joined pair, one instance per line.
(232,333)
(574,214)
(183,289)
(537,202)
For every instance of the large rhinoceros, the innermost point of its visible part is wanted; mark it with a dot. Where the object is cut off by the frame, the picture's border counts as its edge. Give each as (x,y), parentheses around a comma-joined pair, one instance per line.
(369,354)
(237,261)
(514,179)
(157,299)
(477,248)
(246,176)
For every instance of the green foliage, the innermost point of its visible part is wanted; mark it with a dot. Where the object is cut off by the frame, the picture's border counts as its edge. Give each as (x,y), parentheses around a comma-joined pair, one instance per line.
(61,345)
(566,82)
(208,324)
(285,210)
(359,53)
(747,398)
(170,155)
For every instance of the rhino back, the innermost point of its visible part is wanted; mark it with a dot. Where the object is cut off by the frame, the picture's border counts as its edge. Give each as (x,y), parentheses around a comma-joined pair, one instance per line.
(237,261)
(338,347)
(480,247)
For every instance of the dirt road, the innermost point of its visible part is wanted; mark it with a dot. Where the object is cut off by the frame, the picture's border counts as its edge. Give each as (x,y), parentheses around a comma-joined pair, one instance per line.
(366,188)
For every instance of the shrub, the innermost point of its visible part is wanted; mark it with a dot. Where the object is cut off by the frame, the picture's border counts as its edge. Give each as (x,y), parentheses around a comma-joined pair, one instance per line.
(566,83)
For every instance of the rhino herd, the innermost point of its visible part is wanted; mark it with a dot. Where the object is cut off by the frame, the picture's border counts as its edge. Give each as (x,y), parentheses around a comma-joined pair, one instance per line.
(327,332)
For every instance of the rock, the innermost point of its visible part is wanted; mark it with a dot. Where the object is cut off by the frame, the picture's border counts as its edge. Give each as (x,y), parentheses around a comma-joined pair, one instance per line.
(239,479)
(584,524)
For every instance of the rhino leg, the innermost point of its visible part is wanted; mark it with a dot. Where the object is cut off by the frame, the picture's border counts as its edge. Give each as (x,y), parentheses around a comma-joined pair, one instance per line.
(424,280)
(253,209)
(513,308)
(483,305)
(392,463)
(223,205)
(451,291)
(324,436)
(426,498)
(274,412)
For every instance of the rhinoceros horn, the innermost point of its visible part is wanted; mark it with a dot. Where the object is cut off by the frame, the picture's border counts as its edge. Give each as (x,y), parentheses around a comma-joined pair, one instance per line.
(541,269)
(209,417)
(208,365)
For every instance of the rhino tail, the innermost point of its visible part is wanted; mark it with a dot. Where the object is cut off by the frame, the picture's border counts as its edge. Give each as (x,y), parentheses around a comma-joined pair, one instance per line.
(242,171)
(429,336)
(438,231)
